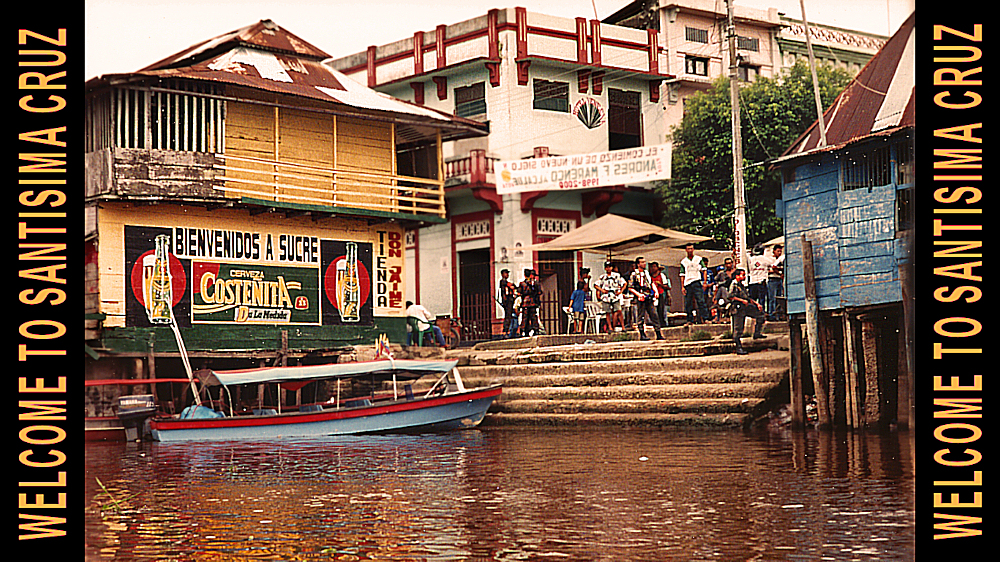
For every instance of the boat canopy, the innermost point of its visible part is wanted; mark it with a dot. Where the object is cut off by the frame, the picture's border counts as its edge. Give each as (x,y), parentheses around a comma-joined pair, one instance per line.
(398,368)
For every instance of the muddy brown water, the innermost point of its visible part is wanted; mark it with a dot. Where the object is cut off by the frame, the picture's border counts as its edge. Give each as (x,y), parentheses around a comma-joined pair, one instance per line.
(507,493)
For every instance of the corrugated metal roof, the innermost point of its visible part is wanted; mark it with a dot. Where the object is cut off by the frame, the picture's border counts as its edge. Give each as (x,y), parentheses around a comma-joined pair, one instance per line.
(266,57)
(265,35)
(879,100)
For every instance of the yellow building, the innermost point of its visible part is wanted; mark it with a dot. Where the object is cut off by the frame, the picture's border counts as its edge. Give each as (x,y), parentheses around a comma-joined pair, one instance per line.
(278,191)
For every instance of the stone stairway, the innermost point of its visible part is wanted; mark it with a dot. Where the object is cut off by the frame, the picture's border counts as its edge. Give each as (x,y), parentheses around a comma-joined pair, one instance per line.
(608,379)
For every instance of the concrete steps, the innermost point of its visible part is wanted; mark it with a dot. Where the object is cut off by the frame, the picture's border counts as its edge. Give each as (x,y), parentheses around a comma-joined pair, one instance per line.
(577,380)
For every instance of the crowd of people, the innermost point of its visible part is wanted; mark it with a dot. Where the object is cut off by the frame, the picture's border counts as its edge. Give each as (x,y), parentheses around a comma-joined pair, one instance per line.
(737,294)
(711,295)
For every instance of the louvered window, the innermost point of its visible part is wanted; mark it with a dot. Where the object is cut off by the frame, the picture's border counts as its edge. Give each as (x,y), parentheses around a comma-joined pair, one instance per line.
(470,101)
(624,119)
(551,96)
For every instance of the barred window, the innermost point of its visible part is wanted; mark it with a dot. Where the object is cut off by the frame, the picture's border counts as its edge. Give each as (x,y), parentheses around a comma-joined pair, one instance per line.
(696,35)
(169,120)
(551,96)
(871,167)
(747,43)
(904,162)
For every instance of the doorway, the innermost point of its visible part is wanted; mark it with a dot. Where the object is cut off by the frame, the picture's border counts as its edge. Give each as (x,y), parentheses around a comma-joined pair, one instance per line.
(475,300)
(557,273)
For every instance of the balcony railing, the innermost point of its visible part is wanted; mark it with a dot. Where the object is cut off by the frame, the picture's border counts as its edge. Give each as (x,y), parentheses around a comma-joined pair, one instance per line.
(288,182)
(475,169)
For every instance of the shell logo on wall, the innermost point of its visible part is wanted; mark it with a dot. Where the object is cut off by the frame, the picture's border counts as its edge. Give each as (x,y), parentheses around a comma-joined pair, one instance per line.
(589,112)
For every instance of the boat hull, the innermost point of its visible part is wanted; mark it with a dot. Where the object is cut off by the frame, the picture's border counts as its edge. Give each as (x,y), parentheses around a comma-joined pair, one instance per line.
(105,428)
(449,412)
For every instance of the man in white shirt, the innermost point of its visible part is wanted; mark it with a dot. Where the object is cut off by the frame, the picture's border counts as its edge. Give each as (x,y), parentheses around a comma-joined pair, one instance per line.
(609,287)
(757,274)
(775,282)
(424,320)
(693,286)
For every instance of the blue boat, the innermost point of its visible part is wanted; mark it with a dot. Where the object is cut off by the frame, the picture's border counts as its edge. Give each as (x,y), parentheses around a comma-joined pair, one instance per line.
(447,405)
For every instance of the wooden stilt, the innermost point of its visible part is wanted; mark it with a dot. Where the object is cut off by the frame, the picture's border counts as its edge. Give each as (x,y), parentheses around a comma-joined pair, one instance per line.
(795,376)
(820,382)
(852,371)
(873,390)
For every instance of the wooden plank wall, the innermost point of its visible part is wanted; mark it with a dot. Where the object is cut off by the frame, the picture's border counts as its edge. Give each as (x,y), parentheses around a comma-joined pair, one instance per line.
(366,147)
(867,231)
(306,138)
(810,203)
(250,132)
(853,235)
(312,145)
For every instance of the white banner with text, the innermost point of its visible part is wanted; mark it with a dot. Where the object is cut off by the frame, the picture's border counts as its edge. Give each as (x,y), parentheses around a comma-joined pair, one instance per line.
(584,171)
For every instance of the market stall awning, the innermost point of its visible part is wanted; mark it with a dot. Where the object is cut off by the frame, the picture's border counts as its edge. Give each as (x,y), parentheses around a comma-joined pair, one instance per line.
(667,255)
(615,233)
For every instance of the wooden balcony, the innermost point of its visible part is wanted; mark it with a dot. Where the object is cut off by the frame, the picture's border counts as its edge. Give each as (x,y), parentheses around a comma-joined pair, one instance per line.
(175,175)
(291,183)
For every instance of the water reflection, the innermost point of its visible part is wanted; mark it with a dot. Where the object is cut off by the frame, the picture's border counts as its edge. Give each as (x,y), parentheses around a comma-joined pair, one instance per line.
(507,494)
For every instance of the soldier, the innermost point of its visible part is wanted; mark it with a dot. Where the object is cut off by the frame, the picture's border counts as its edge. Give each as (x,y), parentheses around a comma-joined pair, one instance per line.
(506,292)
(744,306)
(531,297)
(641,286)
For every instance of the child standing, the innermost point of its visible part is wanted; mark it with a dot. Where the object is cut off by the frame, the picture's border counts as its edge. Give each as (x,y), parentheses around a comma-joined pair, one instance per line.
(576,305)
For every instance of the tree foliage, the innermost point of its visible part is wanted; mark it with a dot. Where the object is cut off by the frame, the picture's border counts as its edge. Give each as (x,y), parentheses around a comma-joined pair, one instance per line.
(773,113)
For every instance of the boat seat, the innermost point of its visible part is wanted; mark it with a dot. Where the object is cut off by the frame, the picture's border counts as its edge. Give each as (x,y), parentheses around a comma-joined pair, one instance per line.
(311,408)
(356,402)
(265,412)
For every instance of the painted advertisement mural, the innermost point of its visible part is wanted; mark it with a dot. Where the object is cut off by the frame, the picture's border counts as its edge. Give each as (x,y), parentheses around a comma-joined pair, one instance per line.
(212,276)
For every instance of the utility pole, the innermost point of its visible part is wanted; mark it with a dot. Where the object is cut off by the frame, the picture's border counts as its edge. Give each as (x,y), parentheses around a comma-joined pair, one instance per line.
(739,217)
(812,69)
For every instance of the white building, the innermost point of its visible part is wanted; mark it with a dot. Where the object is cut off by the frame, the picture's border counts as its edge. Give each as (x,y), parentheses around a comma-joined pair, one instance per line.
(550,86)
(692,35)
(547,86)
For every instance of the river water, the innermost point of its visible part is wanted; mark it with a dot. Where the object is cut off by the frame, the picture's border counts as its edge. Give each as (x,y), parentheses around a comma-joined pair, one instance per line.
(508,493)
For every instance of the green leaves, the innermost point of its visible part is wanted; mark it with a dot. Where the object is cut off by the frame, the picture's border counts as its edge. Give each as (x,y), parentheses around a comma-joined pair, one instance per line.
(773,113)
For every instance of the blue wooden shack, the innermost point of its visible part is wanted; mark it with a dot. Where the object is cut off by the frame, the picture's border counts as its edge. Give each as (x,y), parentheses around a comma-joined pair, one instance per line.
(850,198)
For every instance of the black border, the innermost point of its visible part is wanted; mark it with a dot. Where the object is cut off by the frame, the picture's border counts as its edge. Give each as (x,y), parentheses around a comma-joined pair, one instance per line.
(931,315)
(47,20)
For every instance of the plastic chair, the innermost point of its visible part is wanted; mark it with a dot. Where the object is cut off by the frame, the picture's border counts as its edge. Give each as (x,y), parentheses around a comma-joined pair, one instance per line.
(595,311)
(569,319)
(416,334)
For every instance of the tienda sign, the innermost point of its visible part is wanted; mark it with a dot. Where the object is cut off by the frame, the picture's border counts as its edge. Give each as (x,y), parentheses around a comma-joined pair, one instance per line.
(584,171)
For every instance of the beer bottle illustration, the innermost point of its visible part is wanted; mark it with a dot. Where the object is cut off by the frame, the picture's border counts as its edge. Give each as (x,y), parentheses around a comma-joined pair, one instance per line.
(157,288)
(349,286)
